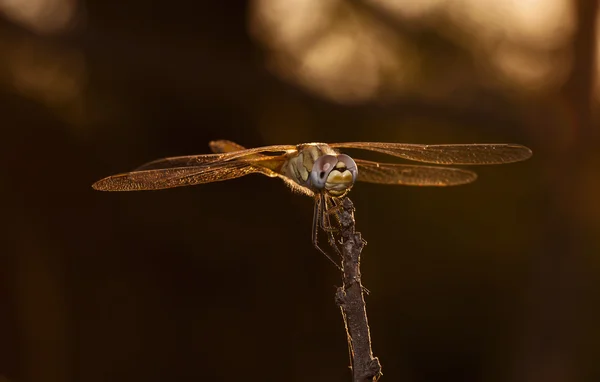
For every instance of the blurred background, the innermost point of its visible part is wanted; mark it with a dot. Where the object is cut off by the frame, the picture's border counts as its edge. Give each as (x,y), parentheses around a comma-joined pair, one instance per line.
(494,281)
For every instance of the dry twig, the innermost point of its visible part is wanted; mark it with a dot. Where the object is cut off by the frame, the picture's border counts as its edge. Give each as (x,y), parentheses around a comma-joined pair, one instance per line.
(349,297)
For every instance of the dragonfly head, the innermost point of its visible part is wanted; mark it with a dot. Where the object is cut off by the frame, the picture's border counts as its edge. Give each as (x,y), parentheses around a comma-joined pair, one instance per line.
(334,174)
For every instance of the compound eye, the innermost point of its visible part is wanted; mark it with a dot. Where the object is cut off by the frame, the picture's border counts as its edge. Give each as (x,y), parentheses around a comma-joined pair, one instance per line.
(321,169)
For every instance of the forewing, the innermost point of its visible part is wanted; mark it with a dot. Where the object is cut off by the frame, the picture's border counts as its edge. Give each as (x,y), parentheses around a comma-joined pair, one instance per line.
(446,154)
(182,161)
(180,176)
(205,159)
(412,175)
(225,146)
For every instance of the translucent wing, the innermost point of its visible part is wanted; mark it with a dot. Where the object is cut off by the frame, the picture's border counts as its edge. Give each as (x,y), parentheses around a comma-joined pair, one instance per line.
(225,146)
(182,161)
(412,175)
(199,160)
(447,154)
(157,179)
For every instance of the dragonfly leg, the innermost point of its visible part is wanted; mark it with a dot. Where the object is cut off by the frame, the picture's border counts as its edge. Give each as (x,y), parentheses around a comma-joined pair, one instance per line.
(317,217)
(326,222)
(335,208)
(331,208)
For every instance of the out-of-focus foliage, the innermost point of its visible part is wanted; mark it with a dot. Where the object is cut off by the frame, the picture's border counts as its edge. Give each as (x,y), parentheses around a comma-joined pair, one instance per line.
(494,281)
(359,51)
(42,16)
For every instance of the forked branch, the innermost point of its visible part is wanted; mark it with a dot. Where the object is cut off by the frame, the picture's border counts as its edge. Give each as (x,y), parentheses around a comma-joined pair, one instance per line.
(350,299)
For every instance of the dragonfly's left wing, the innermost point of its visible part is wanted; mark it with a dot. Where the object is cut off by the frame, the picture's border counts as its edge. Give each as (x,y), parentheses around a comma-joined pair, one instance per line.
(157,179)
(412,175)
(446,154)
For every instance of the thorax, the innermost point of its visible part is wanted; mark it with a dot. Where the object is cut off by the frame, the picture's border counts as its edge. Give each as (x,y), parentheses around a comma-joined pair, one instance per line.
(300,163)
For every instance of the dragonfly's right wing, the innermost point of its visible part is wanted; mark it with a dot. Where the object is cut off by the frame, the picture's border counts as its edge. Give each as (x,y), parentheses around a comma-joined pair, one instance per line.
(225,146)
(201,160)
(412,175)
(161,178)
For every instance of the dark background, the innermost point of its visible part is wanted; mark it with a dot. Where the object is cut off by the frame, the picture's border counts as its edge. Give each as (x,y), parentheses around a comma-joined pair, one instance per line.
(495,281)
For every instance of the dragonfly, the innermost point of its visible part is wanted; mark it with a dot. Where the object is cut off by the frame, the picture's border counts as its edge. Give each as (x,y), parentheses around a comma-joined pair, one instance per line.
(318,170)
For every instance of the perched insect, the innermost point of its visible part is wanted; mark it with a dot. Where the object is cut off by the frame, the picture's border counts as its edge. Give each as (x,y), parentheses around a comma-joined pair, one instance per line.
(317,169)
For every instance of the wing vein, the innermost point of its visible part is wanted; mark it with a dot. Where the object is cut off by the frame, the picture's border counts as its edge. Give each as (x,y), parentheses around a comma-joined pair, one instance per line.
(462,154)
(412,175)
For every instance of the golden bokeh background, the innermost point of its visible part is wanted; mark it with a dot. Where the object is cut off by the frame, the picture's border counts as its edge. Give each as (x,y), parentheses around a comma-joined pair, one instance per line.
(495,281)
